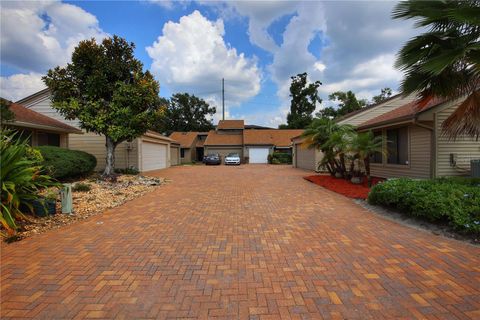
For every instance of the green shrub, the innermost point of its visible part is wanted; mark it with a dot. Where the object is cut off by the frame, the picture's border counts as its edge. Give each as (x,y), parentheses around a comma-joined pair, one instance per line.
(281,158)
(81,187)
(456,200)
(64,164)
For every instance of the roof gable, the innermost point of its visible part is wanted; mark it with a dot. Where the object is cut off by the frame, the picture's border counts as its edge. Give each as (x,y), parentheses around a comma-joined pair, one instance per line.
(25,117)
(231,124)
(186,139)
(360,116)
(405,112)
(275,137)
(215,139)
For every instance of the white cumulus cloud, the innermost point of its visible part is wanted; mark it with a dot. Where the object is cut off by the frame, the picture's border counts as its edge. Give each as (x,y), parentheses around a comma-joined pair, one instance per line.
(18,86)
(38,35)
(192,56)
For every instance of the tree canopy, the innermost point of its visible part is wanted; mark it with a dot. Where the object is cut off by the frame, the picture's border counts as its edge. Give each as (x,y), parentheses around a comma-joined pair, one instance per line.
(106,89)
(185,112)
(347,102)
(385,94)
(303,103)
(444,61)
(5,113)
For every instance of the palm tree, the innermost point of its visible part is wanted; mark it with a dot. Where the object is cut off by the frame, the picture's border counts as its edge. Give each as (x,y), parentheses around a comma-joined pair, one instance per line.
(444,61)
(364,145)
(339,142)
(326,135)
(316,135)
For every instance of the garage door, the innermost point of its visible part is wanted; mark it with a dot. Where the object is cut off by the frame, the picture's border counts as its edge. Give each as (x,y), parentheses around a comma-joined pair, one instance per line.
(258,155)
(305,158)
(154,156)
(174,155)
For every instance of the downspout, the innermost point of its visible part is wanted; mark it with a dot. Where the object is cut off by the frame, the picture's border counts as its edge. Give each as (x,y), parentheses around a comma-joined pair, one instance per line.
(432,144)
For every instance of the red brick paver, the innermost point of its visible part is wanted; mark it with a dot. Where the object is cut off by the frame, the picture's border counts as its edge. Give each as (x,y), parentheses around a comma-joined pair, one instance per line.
(248,242)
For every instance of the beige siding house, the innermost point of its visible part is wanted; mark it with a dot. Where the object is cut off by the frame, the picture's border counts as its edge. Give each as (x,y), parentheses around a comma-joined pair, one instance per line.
(41,130)
(415,145)
(308,159)
(151,151)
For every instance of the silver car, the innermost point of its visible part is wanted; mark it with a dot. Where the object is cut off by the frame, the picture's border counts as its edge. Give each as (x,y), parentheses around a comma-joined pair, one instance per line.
(232,158)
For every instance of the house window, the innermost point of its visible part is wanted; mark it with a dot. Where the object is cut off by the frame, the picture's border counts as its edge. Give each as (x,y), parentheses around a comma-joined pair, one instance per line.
(182,153)
(397,146)
(48,139)
(377,156)
(24,135)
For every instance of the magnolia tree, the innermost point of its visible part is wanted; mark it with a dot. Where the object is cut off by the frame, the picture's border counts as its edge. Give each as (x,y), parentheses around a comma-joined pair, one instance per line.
(106,89)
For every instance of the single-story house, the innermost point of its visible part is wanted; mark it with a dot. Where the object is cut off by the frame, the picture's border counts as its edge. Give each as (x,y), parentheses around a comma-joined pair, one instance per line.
(41,130)
(415,146)
(151,151)
(308,158)
(191,145)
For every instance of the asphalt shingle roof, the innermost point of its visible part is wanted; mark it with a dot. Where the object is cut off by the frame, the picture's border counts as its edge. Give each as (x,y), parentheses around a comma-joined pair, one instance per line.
(28,116)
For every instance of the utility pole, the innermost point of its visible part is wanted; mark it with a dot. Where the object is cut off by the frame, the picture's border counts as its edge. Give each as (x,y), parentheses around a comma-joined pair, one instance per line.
(223,99)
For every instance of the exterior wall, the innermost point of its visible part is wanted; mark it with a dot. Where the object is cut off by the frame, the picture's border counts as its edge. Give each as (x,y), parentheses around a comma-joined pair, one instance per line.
(189,155)
(463,148)
(64,140)
(224,150)
(305,158)
(368,114)
(34,138)
(126,154)
(174,155)
(42,104)
(419,157)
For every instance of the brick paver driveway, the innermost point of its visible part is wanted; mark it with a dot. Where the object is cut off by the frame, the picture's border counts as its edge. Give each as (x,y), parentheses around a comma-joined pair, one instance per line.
(240,242)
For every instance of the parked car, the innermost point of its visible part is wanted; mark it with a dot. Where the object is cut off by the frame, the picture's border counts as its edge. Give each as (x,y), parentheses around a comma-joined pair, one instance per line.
(232,158)
(212,158)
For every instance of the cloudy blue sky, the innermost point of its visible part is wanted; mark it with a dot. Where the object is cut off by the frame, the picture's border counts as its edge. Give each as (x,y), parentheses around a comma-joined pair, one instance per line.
(191,45)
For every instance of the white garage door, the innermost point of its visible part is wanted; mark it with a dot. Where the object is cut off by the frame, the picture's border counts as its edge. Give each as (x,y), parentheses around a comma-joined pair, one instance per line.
(154,156)
(258,155)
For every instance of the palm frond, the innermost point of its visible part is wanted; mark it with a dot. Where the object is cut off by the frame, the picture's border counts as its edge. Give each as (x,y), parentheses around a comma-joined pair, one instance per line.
(465,120)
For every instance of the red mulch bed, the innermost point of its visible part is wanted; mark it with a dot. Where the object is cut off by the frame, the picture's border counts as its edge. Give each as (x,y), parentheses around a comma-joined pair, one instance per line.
(342,186)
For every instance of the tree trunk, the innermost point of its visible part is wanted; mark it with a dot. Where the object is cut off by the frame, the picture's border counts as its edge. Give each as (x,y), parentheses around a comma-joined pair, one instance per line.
(110,161)
(366,161)
(343,166)
(352,166)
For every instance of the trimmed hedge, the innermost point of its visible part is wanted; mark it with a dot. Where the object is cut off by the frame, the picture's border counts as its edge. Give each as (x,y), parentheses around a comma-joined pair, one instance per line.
(456,200)
(63,163)
(280,158)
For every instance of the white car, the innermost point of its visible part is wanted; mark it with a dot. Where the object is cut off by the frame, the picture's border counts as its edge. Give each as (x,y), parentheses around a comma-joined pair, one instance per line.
(232,158)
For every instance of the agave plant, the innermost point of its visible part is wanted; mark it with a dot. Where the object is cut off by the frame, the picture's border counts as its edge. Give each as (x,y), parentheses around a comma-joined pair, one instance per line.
(21,179)
(444,61)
